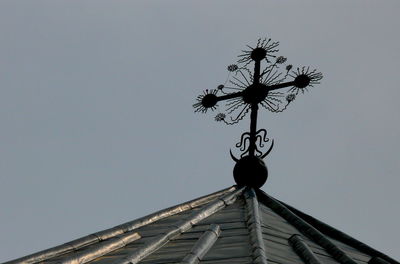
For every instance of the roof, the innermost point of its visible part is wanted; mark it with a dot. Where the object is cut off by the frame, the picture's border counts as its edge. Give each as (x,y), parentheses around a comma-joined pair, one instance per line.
(234,225)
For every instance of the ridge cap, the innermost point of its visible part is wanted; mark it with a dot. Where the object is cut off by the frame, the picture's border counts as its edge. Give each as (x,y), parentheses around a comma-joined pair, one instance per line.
(108,233)
(328,230)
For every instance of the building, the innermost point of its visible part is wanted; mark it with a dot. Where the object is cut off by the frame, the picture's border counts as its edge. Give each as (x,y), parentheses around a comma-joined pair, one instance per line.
(234,225)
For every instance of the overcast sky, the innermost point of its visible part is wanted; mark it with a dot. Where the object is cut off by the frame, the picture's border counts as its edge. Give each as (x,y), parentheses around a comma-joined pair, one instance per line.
(97,126)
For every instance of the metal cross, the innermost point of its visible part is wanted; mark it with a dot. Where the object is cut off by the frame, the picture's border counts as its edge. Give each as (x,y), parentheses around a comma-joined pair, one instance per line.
(245,90)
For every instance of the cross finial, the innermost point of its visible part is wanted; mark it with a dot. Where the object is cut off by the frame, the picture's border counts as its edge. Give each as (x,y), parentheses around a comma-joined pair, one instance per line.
(245,90)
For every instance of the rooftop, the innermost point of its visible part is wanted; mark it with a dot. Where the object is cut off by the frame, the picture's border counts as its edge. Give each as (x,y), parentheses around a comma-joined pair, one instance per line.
(234,225)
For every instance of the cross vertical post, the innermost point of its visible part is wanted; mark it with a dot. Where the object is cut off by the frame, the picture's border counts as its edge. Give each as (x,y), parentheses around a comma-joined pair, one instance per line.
(254,111)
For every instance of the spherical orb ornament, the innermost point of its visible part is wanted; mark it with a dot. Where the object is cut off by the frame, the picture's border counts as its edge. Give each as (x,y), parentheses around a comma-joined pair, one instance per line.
(258,54)
(302,81)
(209,100)
(255,93)
(250,171)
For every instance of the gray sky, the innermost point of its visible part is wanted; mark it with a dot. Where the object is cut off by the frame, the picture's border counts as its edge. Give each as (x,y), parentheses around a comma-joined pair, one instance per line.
(97,126)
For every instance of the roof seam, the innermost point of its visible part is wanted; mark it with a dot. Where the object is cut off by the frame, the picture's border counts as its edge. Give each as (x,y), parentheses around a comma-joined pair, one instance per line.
(101,249)
(340,236)
(254,226)
(202,245)
(182,226)
(377,260)
(301,248)
(116,230)
(308,230)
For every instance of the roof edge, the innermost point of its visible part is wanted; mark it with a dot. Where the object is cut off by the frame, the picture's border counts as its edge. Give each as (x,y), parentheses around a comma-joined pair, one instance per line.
(117,230)
(341,236)
(180,227)
(333,232)
(307,230)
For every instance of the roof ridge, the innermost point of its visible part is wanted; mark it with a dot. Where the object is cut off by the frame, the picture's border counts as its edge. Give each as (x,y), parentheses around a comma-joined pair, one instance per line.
(303,250)
(189,225)
(202,245)
(182,226)
(339,235)
(254,226)
(307,230)
(91,239)
(101,249)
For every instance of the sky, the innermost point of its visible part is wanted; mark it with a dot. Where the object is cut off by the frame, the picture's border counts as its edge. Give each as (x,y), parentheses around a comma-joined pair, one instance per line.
(97,124)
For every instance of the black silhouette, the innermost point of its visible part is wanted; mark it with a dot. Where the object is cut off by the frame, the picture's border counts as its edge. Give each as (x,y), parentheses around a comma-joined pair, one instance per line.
(246,90)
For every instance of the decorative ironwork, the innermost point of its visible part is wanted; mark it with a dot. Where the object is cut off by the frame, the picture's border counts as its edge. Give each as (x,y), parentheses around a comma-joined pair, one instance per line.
(266,85)
(260,137)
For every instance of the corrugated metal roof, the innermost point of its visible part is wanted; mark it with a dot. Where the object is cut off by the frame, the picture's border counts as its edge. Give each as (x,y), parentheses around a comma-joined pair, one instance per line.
(235,225)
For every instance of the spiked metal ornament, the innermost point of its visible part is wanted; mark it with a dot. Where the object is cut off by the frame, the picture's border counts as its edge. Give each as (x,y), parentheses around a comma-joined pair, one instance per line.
(245,90)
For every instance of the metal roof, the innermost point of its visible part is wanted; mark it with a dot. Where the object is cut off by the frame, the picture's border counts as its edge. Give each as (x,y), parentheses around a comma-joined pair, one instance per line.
(234,225)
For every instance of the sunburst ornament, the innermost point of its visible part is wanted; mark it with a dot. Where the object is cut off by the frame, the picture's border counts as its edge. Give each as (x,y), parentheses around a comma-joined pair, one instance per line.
(264,49)
(304,78)
(206,101)
(271,83)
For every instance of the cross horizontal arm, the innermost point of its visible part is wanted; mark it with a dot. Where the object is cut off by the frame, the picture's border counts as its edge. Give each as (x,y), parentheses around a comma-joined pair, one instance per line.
(229,96)
(279,86)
